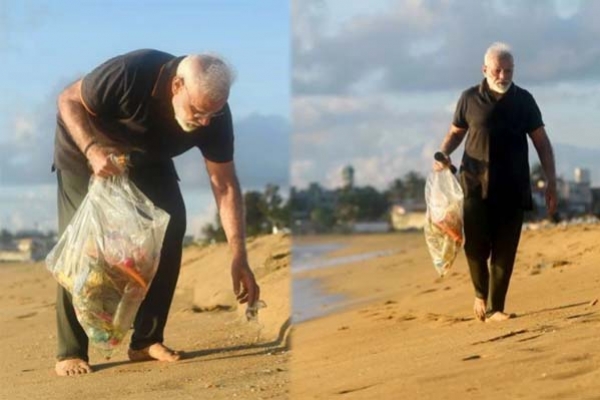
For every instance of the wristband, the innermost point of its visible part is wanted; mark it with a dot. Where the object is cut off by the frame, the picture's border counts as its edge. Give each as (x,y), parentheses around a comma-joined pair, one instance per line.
(89,145)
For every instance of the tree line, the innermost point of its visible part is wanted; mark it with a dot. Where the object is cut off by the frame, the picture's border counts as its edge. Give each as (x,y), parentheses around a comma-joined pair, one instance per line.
(325,210)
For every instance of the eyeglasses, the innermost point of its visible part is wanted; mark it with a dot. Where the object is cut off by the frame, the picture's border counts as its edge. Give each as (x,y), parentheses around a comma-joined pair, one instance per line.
(199,115)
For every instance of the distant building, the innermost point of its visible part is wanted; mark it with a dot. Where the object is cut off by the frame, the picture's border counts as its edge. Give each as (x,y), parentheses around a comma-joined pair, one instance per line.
(371,227)
(582,176)
(348,177)
(24,250)
(596,201)
(574,197)
(577,194)
(306,201)
(408,216)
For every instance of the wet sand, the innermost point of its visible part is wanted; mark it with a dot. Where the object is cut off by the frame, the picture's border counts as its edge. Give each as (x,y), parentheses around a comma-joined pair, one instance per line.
(408,334)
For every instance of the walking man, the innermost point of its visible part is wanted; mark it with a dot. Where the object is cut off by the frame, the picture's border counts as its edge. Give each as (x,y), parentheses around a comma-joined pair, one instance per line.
(496,117)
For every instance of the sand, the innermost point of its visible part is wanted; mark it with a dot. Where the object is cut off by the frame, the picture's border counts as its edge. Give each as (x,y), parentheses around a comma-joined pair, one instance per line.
(405,334)
(226,357)
(409,335)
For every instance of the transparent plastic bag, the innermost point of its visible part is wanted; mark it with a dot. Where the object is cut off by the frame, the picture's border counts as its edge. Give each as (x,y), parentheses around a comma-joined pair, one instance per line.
(444,220)
(108,256)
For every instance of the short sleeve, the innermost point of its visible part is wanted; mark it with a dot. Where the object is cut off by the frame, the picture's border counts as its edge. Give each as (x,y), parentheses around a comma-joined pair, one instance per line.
(533,115)
(219,144)
(103,89)
(460,114)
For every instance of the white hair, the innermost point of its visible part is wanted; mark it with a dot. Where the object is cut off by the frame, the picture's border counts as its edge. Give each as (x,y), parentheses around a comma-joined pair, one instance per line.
(208,74)
(497,50)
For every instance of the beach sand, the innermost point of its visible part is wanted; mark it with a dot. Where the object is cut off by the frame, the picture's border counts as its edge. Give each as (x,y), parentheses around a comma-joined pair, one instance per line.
(405,333)
(226,357)
(408,334)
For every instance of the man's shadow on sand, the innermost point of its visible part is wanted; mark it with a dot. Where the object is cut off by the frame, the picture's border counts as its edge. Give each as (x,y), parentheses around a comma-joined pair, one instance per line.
(281,343)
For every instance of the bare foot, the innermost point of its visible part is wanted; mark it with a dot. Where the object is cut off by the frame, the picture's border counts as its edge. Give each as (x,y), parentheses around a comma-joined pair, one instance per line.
(72,366)
(479,309)
(157,351)
(499,316)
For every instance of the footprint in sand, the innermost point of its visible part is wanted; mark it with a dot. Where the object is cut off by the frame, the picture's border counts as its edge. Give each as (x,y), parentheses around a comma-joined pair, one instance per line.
(576,316)
(29,315)
(574,358)
(406,317)
(594,318)
(531,349)
(346,391)
(572,374)
(502,337)
(528,339)
(382,316)
(449,319)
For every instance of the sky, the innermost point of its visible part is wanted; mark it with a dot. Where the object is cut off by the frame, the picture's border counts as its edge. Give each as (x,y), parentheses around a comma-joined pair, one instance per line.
(375,87)
(47,44)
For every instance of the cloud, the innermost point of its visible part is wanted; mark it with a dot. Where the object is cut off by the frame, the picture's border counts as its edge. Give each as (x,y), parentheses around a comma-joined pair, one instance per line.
(27,207)
(26,143)
(377,88)
(380,136)
(439,44)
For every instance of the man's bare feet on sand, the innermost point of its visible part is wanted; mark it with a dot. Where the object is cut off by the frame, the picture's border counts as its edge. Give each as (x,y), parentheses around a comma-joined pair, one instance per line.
(479,309)
(157,351)
(72,366)
(499,316)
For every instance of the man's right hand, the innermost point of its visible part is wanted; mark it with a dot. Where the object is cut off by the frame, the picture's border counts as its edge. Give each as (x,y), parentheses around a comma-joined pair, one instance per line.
(101,161)
(440,165)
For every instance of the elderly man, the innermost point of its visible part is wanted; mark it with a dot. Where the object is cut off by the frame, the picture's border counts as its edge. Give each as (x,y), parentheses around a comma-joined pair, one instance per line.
(496,116)
(152,106)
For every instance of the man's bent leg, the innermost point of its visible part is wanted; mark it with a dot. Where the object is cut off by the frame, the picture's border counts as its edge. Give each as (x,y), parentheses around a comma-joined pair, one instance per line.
(72,351)
(153,313)
(505,241)
(477,250)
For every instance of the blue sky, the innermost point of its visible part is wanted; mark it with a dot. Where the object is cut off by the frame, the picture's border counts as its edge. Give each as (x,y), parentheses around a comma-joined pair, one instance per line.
(375,86)
(45,44)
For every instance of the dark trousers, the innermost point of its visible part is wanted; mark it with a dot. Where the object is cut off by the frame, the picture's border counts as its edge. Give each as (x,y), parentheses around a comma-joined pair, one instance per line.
(163,189)
(491,232)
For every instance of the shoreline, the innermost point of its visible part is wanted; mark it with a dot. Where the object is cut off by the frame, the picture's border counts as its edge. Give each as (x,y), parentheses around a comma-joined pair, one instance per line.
(416,336)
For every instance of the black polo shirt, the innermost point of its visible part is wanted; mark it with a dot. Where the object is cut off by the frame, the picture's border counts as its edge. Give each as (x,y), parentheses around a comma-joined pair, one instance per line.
(129,98)
(495,163)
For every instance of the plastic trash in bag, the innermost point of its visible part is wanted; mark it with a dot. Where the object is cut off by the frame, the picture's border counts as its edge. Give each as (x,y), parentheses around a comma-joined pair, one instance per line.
(108,256)
(444,220)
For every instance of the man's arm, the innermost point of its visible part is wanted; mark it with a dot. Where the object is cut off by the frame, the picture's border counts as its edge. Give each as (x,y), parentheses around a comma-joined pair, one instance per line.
(543,147)
(453,139)
(228,196)
(77,120)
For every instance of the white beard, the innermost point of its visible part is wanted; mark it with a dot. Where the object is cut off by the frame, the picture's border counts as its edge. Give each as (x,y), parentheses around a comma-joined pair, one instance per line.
(497,88)
(185,126)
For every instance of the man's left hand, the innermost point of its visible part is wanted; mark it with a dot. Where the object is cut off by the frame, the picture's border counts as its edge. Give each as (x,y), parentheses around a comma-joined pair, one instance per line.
(551,199)
(244,285)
